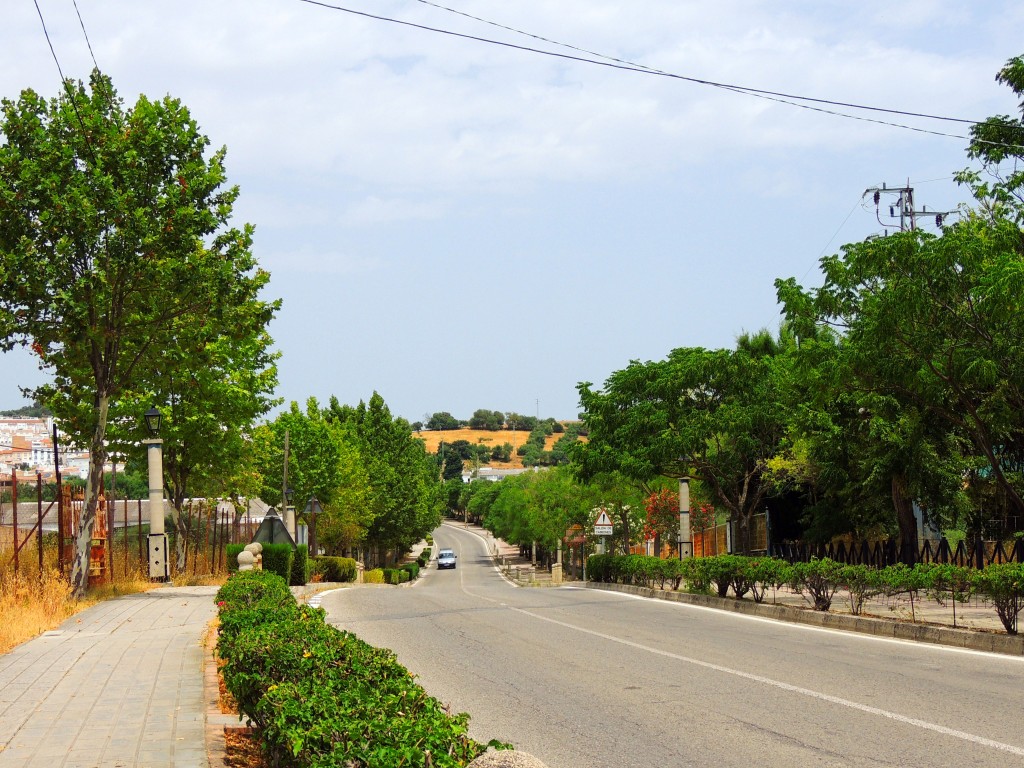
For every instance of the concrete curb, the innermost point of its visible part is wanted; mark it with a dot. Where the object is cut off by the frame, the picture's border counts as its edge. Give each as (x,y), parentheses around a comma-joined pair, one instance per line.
(1012,645)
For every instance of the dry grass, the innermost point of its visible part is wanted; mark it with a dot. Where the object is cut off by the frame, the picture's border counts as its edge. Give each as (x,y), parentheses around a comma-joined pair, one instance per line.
(515,438)
(30,606)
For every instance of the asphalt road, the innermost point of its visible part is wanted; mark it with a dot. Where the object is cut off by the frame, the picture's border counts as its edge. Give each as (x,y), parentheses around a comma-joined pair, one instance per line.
(584,678)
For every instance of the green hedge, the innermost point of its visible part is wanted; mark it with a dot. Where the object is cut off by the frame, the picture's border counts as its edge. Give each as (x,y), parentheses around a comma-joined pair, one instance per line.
(820,580)
(232,555)
(341,569)
(278,558)
(413,569)
(322,697)
(300,566)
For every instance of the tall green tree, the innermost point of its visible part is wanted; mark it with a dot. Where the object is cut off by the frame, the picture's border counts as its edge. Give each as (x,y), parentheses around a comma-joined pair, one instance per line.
(717,415)
(326,461)
(911,356)
(994,142)
(406,495)
(115,244)
(213,389)
(929,327)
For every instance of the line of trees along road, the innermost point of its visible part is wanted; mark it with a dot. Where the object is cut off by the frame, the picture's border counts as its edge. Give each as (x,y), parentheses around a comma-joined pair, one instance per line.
(378,486)
(898,381)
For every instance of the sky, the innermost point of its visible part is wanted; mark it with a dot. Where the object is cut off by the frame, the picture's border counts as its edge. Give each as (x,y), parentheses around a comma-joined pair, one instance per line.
(459,225)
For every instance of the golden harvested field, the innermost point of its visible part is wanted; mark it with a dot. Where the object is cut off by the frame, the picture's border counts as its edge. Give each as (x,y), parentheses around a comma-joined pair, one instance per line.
(515,438)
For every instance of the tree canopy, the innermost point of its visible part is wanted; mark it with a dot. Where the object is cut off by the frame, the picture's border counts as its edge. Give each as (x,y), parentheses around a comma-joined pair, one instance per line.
(718,415)
(117,256)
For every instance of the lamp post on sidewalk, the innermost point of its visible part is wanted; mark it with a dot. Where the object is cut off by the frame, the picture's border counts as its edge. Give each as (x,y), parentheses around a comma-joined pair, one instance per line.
(313,509)
(289,513)
(684,539)
(158,564)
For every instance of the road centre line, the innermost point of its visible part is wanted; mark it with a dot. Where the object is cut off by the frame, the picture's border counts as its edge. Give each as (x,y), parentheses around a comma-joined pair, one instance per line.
(923,724)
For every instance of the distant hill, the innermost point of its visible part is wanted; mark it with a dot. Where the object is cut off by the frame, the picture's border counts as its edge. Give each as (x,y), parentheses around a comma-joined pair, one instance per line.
(432,438)
(27,412)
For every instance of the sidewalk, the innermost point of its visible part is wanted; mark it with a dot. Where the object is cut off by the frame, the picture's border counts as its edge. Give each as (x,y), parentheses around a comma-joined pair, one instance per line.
(118,685)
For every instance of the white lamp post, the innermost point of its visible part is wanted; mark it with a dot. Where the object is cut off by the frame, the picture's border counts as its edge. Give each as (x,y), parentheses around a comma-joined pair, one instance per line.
(685,541)
(289,513)
(159,569)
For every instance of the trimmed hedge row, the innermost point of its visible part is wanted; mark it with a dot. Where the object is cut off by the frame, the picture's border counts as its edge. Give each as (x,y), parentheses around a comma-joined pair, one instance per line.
(322,697)
(820,580)
(334,568)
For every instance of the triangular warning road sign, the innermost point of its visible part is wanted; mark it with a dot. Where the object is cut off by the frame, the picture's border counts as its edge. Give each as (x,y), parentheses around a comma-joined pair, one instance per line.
(603,519)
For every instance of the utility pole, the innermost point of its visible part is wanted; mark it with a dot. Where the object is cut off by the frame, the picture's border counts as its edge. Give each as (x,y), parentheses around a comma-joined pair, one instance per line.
(902,208)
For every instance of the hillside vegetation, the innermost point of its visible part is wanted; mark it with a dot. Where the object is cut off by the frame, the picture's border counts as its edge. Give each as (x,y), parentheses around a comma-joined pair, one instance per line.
(432,438)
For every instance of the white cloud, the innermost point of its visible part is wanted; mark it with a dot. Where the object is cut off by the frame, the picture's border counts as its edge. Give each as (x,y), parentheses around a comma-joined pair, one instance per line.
(360,144)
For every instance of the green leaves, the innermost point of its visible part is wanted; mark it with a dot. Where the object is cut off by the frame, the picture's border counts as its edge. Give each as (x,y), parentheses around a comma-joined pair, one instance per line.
(118,264)
(323,697)
(718,415)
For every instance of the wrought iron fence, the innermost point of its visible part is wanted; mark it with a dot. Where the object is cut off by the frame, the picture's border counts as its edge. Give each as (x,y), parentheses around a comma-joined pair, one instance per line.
(879,554)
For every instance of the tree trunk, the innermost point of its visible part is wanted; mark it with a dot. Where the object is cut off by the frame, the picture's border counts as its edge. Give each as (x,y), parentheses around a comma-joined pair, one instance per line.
(905,519)
(742,532)
(93,489)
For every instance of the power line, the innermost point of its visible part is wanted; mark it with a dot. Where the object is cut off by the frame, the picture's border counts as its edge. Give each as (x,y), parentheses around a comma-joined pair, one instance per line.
(727,86)
(86,34)
(49,42)
(658,73)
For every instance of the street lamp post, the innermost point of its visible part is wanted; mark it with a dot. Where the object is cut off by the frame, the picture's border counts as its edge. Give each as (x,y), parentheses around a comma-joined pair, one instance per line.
(313,508)
(684,539)
(289,513)
(158,562)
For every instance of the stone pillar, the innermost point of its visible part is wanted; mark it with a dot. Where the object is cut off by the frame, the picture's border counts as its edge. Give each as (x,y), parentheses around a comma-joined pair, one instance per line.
(556,573)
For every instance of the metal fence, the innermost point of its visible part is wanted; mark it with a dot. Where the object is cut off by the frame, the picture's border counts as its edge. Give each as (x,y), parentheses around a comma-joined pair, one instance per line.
(40,535)
(977,554)
(720,540)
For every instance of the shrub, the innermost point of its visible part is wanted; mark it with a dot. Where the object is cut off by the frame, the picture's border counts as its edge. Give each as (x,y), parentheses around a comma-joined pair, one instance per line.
(277,558)
(818,578)
(250,598)
(671,571)
(725,571)
(861,582)
(341,569)
(249,588)
(376,576)
(413,569)
(599,568)
(300,566)
(765,572)
(697,574)
(1003,584)
(900,579)
(232,556)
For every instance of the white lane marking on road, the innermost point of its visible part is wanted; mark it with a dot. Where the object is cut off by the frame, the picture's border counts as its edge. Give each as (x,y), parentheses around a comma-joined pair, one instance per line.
(796,627)
(924,724)
(315,600)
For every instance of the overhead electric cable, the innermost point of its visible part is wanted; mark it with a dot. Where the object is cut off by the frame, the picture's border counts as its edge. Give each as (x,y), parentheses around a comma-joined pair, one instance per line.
(86,34)
(49,42)
(659,73)
(737,88)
